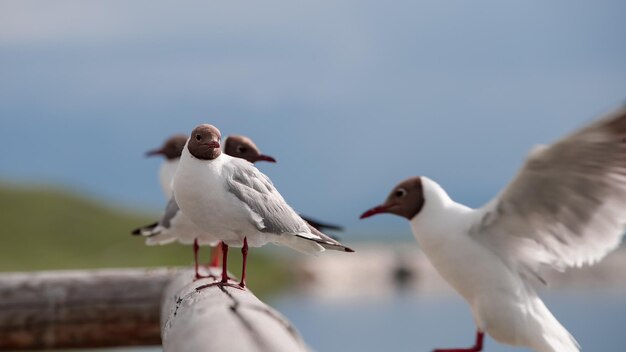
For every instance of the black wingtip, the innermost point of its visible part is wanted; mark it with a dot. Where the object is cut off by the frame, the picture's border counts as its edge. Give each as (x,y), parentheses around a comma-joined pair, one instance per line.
(323,226)
(349,250)
(137,231)
(320,225)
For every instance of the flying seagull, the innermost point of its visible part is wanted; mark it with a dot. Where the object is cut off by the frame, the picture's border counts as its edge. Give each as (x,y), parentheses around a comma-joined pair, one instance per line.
(565,208)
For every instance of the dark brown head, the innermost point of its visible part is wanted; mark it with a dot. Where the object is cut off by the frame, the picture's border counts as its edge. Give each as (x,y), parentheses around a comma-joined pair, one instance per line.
(244,148)
(406,200)
(204,142)
(172,148)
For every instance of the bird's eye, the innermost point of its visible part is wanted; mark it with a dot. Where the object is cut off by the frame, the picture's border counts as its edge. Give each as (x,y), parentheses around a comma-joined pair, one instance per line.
(241,149)
(198,137)
(400,192)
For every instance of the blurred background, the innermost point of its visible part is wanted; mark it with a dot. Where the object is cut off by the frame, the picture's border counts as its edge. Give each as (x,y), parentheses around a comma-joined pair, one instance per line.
(349,96)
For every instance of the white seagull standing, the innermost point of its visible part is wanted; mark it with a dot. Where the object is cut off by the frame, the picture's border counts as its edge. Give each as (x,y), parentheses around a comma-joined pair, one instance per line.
(174,225)
(233,200)
(236,146)
(566,207)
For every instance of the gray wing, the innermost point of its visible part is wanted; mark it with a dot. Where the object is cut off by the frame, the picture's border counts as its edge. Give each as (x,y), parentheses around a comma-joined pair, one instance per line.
(170,212)
(327,241)
(157,233)
(165,222)
(255,190)
(567,205)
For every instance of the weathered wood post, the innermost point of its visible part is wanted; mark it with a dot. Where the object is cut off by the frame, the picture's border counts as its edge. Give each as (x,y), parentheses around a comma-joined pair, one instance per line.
(81,309)
(199,316)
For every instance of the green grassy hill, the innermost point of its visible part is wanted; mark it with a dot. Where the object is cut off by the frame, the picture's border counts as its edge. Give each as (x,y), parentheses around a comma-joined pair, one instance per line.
(48,229)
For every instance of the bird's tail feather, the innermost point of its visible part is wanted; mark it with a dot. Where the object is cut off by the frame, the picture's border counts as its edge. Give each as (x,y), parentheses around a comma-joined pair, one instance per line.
(160,239)
(154,235)
(145,230)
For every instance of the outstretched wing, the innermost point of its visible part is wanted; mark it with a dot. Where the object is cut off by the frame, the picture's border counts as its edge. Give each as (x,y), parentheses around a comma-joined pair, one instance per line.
(567,205)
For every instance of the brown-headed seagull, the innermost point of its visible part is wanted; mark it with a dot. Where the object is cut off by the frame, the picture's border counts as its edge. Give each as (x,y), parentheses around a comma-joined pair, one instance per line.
(231,199)
(174,225)
(565,208)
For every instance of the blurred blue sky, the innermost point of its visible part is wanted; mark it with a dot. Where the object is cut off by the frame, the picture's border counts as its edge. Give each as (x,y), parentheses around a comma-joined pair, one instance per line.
(350,96)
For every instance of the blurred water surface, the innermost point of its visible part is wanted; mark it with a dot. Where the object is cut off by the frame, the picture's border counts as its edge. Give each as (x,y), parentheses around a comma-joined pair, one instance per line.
(422,323)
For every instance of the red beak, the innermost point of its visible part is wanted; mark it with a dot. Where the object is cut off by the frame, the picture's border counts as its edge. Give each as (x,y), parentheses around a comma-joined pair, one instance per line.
(213,144)
(376,210)
(154,152)
(266,158)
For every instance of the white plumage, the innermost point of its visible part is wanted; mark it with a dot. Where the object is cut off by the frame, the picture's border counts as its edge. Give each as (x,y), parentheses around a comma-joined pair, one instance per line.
(503,303)
(566,207)
(209,192)
(167,170)
(175,226)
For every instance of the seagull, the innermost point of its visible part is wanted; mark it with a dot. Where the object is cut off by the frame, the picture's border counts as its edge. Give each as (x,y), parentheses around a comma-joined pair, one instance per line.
(236,145)
(565,208)
(174,225)
(233,200)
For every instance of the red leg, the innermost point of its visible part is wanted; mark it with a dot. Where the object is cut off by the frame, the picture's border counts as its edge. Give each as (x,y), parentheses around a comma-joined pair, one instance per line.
(215,256)
(195,257)
(224,263)
(244,254)
(478,346)
(224,280)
